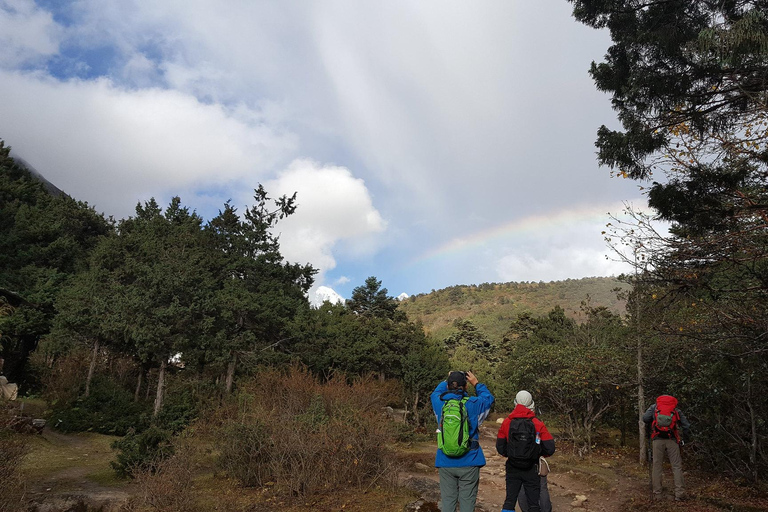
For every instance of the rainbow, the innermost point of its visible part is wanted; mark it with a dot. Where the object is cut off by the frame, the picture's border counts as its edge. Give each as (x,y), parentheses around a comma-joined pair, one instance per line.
(520,227)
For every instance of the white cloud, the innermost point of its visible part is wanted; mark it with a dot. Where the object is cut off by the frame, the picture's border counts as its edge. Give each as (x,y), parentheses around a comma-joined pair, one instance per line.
(27,33)
(572,249)
(113,147)
(333,207)
(558,264)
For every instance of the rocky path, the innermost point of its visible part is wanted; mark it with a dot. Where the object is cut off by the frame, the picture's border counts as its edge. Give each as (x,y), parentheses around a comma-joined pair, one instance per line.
(605,489)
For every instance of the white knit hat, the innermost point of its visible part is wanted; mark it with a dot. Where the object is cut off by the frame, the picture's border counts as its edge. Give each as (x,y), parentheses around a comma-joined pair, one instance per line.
(525,399)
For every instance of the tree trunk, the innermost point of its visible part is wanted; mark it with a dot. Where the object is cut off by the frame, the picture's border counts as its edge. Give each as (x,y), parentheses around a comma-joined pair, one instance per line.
(160,389)
(753,424)
(231,371)
(641,440)
(641,404)
(92,368)
(138,383)
(416,409)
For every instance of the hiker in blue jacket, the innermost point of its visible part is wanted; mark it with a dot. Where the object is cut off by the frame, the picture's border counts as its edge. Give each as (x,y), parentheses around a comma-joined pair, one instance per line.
(460,476)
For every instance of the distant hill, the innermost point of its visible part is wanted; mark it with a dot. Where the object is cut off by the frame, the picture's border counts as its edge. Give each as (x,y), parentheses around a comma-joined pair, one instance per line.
(493,306)
(50,187)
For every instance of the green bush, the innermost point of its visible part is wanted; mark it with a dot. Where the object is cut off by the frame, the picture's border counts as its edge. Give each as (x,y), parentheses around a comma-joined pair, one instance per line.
(142,451)
(109,409)
(184,400)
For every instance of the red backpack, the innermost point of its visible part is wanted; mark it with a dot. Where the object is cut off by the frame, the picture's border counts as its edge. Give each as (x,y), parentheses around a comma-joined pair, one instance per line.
(665,419)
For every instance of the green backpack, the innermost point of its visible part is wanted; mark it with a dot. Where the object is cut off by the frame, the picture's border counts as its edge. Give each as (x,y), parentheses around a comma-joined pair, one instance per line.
(453,433)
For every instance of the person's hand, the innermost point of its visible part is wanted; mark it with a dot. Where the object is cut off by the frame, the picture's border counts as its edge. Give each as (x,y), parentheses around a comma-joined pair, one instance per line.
(471,378)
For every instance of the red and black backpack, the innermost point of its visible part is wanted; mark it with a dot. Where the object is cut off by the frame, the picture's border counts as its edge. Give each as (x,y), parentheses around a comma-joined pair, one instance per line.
(665,419)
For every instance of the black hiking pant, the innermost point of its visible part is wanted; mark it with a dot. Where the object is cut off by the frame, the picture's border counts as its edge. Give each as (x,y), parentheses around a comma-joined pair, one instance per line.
(531,483)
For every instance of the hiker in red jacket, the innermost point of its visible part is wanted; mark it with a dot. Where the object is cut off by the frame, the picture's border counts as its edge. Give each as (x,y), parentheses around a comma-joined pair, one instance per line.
(669,430)
(522,439)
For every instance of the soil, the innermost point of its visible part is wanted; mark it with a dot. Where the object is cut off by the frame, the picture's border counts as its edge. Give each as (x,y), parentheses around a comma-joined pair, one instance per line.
(603,480)
(71,468)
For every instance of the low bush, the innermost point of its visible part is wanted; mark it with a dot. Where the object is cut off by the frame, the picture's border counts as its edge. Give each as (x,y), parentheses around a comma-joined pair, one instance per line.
(184,400)
(142,452)
(13,447)
(166,486)
(109,409)
(303,435)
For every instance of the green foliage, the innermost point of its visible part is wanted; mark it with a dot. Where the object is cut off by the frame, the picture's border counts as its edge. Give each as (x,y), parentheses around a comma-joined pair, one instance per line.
(688,80)
(372,300)
(579,371)
(44,240)
(186,400)
(671,63)
(142,452)
(109,409)
(423,367)
(256,292)
(335,336)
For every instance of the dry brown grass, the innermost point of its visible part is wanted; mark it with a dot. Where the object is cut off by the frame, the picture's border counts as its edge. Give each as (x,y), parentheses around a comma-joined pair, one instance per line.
(167,486)
(289,430)
(13,447)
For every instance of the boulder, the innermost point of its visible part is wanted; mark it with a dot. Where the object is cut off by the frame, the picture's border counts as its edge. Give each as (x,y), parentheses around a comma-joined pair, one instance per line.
(426,489)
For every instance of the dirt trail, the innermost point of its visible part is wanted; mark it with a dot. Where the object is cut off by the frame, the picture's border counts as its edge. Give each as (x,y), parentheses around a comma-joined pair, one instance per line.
(67,466)
(606,488)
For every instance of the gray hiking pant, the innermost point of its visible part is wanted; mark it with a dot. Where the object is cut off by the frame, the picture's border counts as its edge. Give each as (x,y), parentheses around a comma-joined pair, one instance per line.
(458,485)
(672,449)
(545,503)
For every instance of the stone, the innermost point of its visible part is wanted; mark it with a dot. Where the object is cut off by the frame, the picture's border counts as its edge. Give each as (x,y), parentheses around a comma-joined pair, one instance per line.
(424,488)
(578,501)
(421,506)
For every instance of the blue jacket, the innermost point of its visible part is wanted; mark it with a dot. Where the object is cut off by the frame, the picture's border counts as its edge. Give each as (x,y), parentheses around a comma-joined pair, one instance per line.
(478,408)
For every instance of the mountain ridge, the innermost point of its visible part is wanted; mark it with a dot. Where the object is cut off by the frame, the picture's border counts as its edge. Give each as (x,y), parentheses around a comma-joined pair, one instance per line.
(492,307)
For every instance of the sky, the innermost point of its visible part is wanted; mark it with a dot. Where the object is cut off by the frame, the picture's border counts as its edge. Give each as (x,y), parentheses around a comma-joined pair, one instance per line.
(430,143)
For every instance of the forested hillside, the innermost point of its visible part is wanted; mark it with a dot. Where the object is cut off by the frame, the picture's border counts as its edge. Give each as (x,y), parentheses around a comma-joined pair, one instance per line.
(491,307)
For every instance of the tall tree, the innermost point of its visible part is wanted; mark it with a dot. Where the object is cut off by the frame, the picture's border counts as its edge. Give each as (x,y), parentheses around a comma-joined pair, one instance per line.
(372,300)
(258,291)
(44,240)
(689,80)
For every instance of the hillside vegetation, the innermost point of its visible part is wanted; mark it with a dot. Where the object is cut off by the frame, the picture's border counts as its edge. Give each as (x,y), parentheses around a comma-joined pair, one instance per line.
(491,307)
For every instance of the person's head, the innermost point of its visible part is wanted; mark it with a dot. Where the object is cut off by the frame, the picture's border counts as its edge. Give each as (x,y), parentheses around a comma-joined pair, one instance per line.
(457,381)
(525,399)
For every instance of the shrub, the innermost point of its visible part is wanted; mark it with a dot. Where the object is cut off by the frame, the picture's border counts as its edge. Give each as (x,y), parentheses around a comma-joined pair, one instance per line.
(109,409)
(245,452)
(13,447)
(142,452)
(184,401)
(165,487)
(306,436)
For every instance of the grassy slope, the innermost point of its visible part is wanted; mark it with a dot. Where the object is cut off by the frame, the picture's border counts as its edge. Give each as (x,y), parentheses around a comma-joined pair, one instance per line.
(493,306)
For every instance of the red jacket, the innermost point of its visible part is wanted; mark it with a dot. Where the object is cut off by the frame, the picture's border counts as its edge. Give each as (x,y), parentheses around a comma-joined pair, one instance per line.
(521,411)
